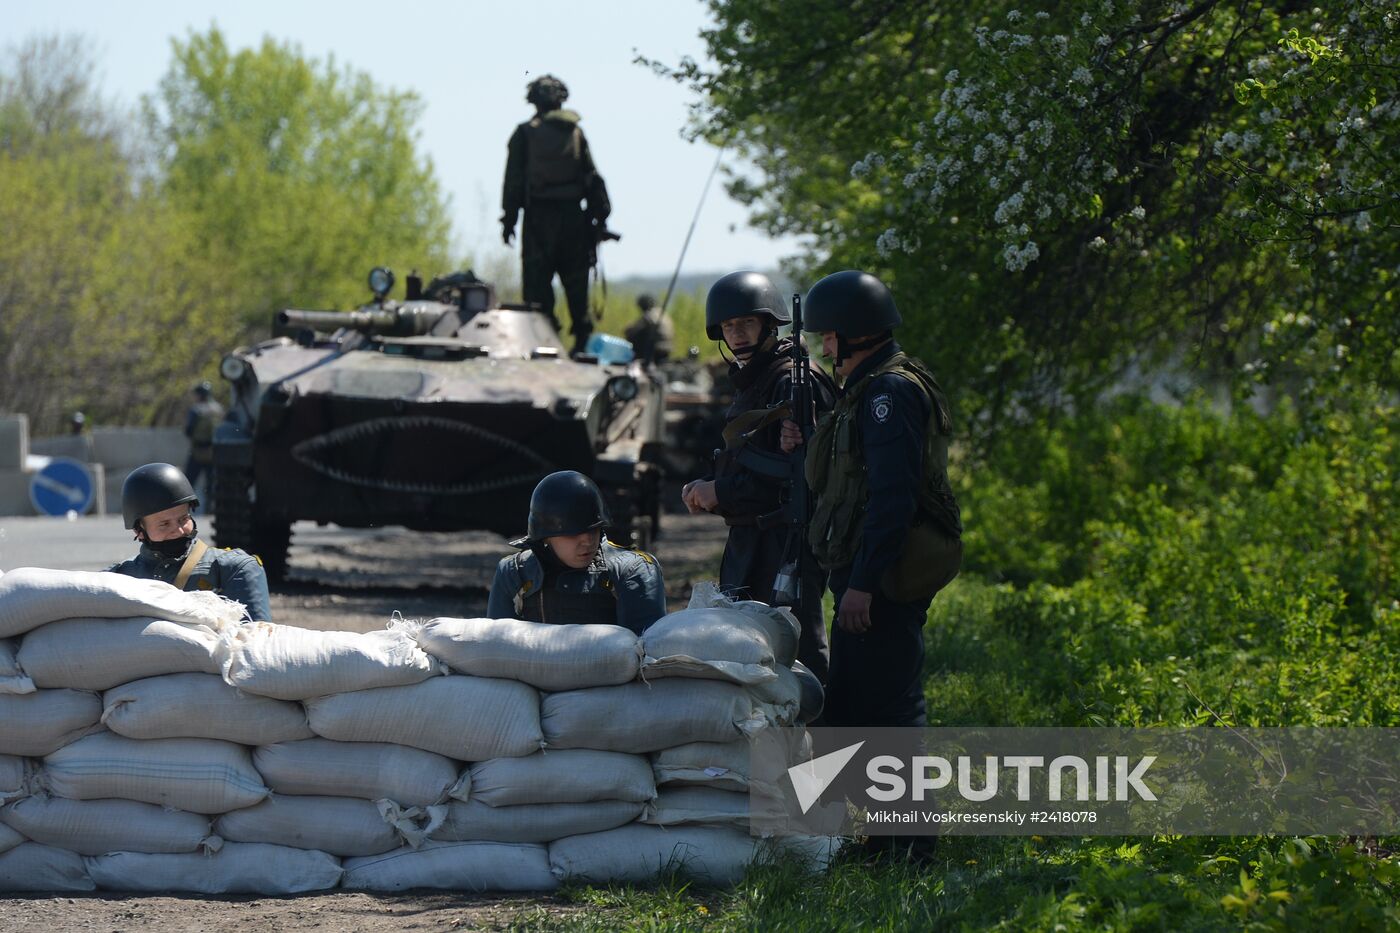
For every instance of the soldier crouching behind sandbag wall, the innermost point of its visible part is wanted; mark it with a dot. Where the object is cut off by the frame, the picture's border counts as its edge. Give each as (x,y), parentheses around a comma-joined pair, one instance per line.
(567,571)
(157,504)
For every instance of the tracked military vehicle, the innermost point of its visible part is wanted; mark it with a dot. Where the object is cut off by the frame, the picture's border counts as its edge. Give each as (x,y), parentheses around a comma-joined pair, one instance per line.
(439,412)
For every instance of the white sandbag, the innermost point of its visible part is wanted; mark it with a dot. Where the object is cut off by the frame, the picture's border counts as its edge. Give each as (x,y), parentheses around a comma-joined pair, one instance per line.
(563,775)
(13,679)
(475,821)
(716,643)
(724,765)
(813,852)
(781,697)
(339,826)
(458,866)
(640,717)
(35,867)
(35,724)
(550,657)
(779,625)
(201,706)
(637,853)
(9,838)
(31,597)
(679,805)
(199,775)
(291,663)
(96,827)
(467,718)
(368,770)
(16,777)
(237,868)
(95,654)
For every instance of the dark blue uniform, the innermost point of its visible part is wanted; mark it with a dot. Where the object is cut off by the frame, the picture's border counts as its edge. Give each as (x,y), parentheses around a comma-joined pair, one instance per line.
(875,678)
(619,587)
(229,572)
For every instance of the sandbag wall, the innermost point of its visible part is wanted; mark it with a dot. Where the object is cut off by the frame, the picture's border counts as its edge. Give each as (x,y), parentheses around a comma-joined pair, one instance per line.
(151,742)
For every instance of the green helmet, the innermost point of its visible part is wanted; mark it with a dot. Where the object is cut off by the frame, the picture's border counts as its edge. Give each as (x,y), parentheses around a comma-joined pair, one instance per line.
(546,91)
(851,303)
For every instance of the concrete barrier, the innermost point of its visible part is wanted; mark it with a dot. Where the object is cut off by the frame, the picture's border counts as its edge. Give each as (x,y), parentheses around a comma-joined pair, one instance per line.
(14,442)
(111,453)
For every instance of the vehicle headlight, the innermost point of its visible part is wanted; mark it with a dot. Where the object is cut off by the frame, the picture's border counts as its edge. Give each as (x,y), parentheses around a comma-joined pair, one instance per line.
(233,369)
(622,388)
(381,280)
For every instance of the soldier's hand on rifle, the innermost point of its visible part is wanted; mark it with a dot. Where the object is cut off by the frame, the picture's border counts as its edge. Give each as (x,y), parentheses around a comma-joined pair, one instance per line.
(791,437)
(853,615)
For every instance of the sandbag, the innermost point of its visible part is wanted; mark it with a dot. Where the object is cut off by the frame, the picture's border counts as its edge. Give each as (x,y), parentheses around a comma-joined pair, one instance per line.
(541,822)
(565,775)
(16,777)
(13,679)
(9,838)
(637,854)
(291,663)
(237,868)
(199,775)
(96,827)
(35,867)
(339,826)
(467,718)
(779,625)
(368,770)
(679,805)
(460,866)
(550,657)
(724,765)
(718,644)
(781,697)
(200,706)
(35,724)
(640,717)
(95,654)
(32,596)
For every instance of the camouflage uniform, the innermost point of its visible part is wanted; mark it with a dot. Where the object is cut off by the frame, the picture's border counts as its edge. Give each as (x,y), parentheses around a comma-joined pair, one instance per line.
(651,336)
(549,172)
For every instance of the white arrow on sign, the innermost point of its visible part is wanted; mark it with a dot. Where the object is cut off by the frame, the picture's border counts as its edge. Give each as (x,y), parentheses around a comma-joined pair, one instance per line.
(71,493)
(811,778)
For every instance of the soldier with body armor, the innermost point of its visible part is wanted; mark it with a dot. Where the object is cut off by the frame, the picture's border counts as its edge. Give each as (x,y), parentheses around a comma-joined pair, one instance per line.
(157,504)
(652,333)
(200,421)
(745,310)
(567,571)
(549,171)
(885,523)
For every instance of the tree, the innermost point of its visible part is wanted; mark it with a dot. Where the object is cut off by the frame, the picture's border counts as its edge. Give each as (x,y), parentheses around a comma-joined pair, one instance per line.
(299,176)
(1060,198)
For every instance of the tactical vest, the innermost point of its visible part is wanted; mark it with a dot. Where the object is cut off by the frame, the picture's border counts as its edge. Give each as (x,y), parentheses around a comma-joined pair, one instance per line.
(553,605)
(836,473)
(554,160)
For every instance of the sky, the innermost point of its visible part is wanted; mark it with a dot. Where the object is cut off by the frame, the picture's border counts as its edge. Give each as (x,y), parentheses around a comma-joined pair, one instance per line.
(469,62)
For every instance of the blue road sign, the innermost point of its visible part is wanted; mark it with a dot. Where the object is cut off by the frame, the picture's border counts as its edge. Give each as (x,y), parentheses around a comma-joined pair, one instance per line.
(64,485)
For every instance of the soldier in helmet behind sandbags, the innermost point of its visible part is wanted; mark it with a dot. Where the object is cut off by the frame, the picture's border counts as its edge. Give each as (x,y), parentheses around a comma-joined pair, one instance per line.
(549,171)
(568,571)
(157,504)
(885,522)
(745,310)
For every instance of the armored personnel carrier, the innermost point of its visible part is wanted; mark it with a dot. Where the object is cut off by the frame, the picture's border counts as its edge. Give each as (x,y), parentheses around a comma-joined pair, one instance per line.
(439,412)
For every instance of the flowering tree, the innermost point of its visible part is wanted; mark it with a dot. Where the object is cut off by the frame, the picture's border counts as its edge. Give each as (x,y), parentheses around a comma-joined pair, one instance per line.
(1064,196)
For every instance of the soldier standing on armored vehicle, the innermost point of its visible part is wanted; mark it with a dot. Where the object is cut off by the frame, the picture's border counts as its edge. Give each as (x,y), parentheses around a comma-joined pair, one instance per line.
(745,309)
(158,504)
(567,571)
(549,171)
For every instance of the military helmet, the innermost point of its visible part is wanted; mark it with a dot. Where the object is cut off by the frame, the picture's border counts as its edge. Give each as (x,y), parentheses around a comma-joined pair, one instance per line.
(564,503)
(153,488)
(851,303)
(204,389)
(646,301)
(546,90)
(741,294)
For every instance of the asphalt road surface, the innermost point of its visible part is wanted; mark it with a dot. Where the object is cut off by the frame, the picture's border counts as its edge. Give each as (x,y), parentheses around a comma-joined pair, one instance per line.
(357,579)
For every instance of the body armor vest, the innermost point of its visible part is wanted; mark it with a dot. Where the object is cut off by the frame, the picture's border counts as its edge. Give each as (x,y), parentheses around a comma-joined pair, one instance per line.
(567,597)
(554,160)
(836,474)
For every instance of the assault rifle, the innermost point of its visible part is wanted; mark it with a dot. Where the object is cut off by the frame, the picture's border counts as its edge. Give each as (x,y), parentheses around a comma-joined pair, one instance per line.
(796,512)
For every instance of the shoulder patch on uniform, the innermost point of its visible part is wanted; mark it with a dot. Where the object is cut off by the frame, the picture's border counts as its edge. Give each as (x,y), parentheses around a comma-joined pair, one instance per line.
(526,586)
(881,407)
